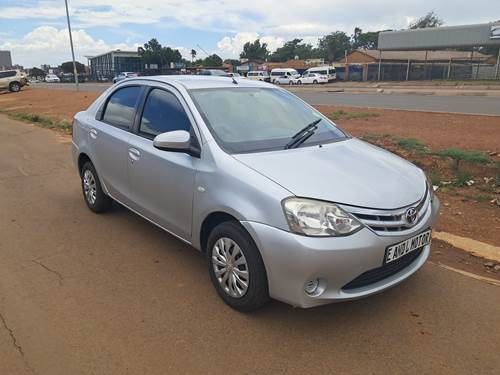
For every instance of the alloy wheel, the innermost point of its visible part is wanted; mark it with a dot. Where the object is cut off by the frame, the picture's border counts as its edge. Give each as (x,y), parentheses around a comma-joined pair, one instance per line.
(89,186)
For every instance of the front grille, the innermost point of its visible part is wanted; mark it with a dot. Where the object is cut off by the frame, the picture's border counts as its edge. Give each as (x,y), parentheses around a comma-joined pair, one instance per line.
(380,273)
(387,221)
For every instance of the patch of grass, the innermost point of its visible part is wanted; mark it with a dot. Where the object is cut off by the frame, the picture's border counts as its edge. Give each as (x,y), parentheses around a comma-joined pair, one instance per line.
(435,178)
(413,145)
(42,121)
(374,138)
(479,198)
(341,114)
(458,155)
(461,179)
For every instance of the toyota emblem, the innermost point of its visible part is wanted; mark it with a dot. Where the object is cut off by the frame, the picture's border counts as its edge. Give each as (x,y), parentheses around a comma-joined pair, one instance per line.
(411,215)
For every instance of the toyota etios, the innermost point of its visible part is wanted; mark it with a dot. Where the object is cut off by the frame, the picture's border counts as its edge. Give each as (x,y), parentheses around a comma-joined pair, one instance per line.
(284,203)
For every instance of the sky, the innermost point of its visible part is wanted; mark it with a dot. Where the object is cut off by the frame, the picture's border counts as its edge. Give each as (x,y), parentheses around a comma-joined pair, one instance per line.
(35,31)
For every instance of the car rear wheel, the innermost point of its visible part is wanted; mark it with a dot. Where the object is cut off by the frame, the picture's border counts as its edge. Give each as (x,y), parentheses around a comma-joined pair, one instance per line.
(92,191)
(315,82)
(236,267)
(299,82)
(14,87)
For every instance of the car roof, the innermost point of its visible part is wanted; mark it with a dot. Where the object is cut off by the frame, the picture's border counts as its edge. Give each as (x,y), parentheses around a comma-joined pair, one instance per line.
(202,82)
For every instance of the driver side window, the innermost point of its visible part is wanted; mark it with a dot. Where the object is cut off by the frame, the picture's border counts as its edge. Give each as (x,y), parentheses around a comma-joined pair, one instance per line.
(162,113)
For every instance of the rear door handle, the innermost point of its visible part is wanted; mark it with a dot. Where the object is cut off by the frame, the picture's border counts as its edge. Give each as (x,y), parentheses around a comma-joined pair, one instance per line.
(134,154)
(93,133)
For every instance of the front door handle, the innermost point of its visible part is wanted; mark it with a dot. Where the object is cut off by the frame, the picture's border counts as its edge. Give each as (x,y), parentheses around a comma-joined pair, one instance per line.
(93,133)
(134,154)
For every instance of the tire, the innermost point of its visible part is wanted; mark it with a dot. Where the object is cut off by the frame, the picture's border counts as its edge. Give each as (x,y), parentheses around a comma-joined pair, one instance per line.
(14,87)
(239,244)
(93,194)
(315,82)
(299,82)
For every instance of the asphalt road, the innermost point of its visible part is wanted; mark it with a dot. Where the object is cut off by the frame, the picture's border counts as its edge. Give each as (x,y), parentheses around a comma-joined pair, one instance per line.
(112,294)
(434,103)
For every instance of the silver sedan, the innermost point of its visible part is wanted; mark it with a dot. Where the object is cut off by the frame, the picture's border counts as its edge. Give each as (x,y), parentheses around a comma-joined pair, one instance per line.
(283,203)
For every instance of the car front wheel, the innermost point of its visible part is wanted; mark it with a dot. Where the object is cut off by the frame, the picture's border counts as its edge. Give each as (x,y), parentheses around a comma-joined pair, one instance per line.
(236,267)
(14,87)
(92,191)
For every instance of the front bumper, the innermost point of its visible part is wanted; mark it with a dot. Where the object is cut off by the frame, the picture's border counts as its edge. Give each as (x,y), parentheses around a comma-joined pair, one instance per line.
(292,260)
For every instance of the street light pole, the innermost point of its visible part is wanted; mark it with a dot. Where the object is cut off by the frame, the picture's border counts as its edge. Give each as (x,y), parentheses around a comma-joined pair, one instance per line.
(72,49)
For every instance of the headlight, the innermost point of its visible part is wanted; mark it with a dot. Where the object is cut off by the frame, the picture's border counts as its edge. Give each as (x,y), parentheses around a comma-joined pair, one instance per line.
(318,219)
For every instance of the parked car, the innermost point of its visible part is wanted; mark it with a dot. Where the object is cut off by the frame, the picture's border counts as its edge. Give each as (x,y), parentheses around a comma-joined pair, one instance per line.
(283,203)
(124,75)
(214,72)
(313,78)
(280,72)
(285,80)
(12,80)
(258,75)
(52,78)
(327,71)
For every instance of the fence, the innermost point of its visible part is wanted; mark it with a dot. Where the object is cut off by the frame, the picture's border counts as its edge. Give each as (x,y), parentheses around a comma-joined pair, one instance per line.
(419,71)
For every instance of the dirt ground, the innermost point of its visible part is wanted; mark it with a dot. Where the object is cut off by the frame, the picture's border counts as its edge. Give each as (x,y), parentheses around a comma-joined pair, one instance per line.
(459,215)
(438,130)
(58,104)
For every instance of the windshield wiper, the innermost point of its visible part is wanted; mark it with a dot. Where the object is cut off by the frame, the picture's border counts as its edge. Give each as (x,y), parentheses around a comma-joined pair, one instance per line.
(303,134)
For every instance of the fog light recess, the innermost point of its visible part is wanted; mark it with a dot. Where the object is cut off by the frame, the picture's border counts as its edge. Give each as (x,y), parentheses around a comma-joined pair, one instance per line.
(314,287)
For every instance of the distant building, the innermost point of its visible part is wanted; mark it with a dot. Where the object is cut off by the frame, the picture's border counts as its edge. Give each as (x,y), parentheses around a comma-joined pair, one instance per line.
(367,56)
(109,64)
(5,60)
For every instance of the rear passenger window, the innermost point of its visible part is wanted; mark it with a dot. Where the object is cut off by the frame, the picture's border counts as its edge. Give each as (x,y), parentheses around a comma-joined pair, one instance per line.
(121,107)
(163,113)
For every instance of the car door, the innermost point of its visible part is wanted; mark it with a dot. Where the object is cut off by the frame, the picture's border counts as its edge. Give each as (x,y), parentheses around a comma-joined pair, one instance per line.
(3,80)
(162,182)
(108,138)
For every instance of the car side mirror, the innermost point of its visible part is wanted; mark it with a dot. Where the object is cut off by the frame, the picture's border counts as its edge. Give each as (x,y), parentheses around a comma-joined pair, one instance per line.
(176,141)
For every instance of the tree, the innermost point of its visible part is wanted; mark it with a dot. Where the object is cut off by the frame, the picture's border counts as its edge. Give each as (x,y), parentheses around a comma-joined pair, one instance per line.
(291,49)
(232,62)
(368,40)
(334,45)
(431,19)
(193,55)
(154,53)
(67,67)
(37,72)
(212,60)
(254,51)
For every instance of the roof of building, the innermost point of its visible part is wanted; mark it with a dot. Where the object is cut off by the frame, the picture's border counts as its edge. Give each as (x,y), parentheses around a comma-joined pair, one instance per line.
(202,82)
(420,55)
(116,51)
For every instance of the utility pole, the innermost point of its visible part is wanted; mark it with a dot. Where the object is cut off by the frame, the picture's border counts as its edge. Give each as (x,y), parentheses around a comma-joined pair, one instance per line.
(200,47)
(72,49)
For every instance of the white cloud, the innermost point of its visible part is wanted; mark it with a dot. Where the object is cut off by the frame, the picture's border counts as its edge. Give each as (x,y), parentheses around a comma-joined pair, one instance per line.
(49,45)
(232,46)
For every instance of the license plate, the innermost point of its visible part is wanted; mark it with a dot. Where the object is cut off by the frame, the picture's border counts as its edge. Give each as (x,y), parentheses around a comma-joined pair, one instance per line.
(399,250)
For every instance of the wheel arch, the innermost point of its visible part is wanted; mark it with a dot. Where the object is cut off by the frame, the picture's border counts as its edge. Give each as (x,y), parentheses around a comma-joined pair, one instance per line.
(82,159)
(209,223)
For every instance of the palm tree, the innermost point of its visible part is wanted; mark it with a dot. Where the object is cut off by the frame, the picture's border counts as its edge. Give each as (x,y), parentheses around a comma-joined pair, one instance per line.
(193,55)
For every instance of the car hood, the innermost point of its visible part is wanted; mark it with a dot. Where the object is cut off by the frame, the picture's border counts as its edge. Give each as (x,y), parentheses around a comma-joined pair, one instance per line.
(350,172)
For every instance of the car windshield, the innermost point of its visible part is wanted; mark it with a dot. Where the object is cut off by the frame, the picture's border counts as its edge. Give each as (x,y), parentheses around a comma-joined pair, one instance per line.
(246,120)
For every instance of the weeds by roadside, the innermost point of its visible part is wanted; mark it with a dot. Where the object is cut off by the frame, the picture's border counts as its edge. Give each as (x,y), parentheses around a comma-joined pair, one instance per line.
(345,115)
(412,145)
(42,121)
(459,155)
